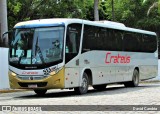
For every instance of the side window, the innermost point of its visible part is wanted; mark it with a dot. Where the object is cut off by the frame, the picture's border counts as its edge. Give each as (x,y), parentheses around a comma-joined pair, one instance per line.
(138,38)
(108,39)
(94,38)
(116,39)
(136,42)
(89,38)
(153,44)
(72,41)
(149,43)
(132,42)
(128,40)
(99,38)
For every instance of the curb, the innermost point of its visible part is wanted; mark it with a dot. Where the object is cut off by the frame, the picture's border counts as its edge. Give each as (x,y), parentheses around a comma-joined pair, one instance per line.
(12,90)
(150,81)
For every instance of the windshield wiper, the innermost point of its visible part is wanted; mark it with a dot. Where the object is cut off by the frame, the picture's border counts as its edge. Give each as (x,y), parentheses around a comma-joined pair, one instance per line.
(20,58)
(37,49)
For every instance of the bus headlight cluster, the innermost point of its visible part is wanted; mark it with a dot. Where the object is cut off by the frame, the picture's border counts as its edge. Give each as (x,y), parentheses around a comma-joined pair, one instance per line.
(55,71)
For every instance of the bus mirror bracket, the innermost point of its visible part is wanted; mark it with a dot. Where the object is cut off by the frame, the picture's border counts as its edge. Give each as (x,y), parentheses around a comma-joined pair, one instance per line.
(4,38)
(3,35)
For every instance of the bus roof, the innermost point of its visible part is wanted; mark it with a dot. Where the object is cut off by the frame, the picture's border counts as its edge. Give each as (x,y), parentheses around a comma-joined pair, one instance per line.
(65,21)
(46,23)
(118,26)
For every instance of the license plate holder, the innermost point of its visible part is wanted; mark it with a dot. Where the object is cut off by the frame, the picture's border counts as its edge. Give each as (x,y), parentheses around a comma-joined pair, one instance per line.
(32,86)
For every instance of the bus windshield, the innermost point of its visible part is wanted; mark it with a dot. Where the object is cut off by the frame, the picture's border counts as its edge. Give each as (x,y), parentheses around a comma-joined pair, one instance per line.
(36,46)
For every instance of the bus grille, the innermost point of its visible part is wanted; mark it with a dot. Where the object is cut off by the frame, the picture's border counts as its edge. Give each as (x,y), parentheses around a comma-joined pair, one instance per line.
(33,77)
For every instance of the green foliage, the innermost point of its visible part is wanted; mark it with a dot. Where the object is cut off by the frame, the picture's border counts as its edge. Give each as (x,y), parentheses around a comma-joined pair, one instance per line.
(21,10)
(132,13)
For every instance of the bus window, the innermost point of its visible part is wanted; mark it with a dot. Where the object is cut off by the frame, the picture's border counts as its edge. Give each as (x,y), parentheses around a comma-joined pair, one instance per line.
(116,40)
(72,41)
(131,42)
(69,46)
(149,43)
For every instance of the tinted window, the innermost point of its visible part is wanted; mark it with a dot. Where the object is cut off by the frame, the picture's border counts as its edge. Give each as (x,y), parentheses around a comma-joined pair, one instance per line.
(116,40)
(149,43)
(135,42)
(131,42)
(72,41)
(99,38)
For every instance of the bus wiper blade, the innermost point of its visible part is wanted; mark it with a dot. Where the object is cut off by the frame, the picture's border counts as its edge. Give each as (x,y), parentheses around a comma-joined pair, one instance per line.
(22,54)
(37,49)
(40,53)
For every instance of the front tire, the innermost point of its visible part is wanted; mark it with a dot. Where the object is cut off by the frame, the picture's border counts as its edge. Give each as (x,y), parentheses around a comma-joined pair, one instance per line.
(135,80)
(40,91)
(84,85)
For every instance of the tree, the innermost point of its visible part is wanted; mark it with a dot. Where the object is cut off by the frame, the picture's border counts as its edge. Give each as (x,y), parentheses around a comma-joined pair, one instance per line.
(113,17)
(22,10)
(155,4)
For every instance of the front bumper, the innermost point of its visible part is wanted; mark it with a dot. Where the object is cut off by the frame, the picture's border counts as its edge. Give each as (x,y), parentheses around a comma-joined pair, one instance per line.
(55,81)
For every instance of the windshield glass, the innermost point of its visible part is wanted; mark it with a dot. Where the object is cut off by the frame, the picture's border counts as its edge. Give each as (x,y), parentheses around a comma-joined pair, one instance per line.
(37,46)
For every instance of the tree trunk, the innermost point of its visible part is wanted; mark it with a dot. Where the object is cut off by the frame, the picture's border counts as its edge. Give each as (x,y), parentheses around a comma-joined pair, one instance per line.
(113,17)
(96,12)
(3,18)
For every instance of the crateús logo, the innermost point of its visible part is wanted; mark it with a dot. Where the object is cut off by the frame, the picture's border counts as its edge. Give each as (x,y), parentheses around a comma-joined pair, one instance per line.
(116,59)
(29,73)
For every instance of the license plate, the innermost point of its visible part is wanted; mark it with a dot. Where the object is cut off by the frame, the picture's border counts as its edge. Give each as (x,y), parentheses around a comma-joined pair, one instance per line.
(32,86)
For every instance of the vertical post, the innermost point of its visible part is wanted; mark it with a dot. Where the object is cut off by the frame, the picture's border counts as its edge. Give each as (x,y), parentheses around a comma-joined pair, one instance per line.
(4,81)
(3,18)
(96,12)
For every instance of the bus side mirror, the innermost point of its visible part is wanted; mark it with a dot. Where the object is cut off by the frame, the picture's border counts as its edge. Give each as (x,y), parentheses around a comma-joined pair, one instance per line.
(4,35)
(6,38)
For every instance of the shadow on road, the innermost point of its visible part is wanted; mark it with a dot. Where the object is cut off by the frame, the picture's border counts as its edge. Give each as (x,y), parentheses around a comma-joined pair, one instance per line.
(110,90)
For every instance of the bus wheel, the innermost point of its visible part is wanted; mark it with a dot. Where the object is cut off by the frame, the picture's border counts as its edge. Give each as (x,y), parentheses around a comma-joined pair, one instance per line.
(84,85)
(40,91)
(100,87)
(135,80)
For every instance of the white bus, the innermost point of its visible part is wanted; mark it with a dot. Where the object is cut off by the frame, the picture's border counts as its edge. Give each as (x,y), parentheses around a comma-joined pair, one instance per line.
(74,53)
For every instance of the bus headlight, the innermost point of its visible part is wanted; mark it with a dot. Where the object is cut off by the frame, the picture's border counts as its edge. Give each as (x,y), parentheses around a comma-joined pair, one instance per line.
(53,73)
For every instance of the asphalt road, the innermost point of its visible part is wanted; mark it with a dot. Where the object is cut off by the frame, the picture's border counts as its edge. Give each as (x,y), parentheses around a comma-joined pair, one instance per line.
(145,94)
